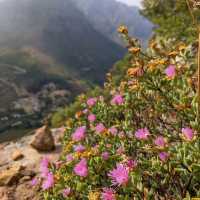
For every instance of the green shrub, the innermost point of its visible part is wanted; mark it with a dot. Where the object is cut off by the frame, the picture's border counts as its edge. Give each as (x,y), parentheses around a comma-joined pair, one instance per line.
(140,139)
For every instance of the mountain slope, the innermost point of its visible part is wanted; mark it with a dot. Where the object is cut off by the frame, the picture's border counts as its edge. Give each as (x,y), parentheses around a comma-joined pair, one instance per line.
(107,15)
(29,92)
(60,30)
(48,51)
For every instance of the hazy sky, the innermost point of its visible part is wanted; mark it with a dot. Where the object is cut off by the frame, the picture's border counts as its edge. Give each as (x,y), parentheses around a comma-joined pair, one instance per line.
(132,2)
(129,2)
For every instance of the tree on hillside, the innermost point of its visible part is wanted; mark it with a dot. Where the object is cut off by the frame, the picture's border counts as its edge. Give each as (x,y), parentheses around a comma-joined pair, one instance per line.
(172,18)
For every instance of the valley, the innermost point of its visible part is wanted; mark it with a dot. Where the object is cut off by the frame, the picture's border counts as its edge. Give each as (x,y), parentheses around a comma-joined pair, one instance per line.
(51,51)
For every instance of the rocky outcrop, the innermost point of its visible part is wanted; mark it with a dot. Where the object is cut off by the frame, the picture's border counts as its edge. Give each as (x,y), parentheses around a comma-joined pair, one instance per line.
(15,174)
(17,155)
(10,176)
(19,164)
(25,191)
(6,193)
(43,140)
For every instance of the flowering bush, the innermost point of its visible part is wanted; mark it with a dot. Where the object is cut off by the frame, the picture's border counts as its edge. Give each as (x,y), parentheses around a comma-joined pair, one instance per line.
(141,141)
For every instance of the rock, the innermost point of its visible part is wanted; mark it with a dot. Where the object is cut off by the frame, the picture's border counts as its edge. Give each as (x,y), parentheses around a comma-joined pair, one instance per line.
(2,146)
(10,176)
(6,193)
(25,179)
(3,193)
(43,139)
(17,155)
(26,192)
(28,173)
(58,134)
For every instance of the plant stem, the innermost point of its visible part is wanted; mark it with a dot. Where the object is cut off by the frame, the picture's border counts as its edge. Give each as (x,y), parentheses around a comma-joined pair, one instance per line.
(198,89)
(194,21)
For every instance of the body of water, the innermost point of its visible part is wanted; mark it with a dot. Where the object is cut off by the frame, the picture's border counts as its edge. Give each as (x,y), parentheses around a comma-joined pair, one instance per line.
(14,134)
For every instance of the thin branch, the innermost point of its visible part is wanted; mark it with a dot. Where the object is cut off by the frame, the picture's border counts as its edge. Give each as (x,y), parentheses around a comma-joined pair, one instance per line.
(191,14)
(198,89)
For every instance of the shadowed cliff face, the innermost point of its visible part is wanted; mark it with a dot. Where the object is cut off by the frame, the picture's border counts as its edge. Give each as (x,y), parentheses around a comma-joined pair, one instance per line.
(60,30)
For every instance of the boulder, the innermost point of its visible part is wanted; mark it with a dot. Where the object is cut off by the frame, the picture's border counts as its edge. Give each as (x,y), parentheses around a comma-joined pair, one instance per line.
(2,146)
(26,192)
(25,179)
(10,176)
(6,193)
(17,155)
(43,139)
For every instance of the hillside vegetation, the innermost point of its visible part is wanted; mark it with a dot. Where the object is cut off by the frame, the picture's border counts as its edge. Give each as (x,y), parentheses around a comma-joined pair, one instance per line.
(29,92)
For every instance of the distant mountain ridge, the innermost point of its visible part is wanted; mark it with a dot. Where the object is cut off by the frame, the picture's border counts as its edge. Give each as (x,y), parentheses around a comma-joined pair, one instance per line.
(107,15)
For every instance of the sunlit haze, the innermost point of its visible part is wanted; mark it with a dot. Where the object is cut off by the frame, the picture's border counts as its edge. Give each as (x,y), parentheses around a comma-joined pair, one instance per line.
(132,2)
(128,2)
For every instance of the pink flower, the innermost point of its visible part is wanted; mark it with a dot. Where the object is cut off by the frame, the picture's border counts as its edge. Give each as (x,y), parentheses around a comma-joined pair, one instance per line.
(81,169)
(101,98)
(44,164)
(120,150)
(58,164)
(79,134)
(48,182)
(113,130)
(188,133)
(91,118)
(163,156)
(120,175)
(121,134)
(85,111)
(66,192)
(170,71)
(100,128)
(105,155)
(96,147)
(91,102)
(79,148)
(44,172)
(69,158)
(108,194)
(160,142)
(131,164)
(117,100)
(109,145)
(142,134)
(34,182)
(61,130)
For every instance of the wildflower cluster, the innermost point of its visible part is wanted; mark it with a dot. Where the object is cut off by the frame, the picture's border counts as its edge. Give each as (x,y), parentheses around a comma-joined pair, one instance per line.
(140,141)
